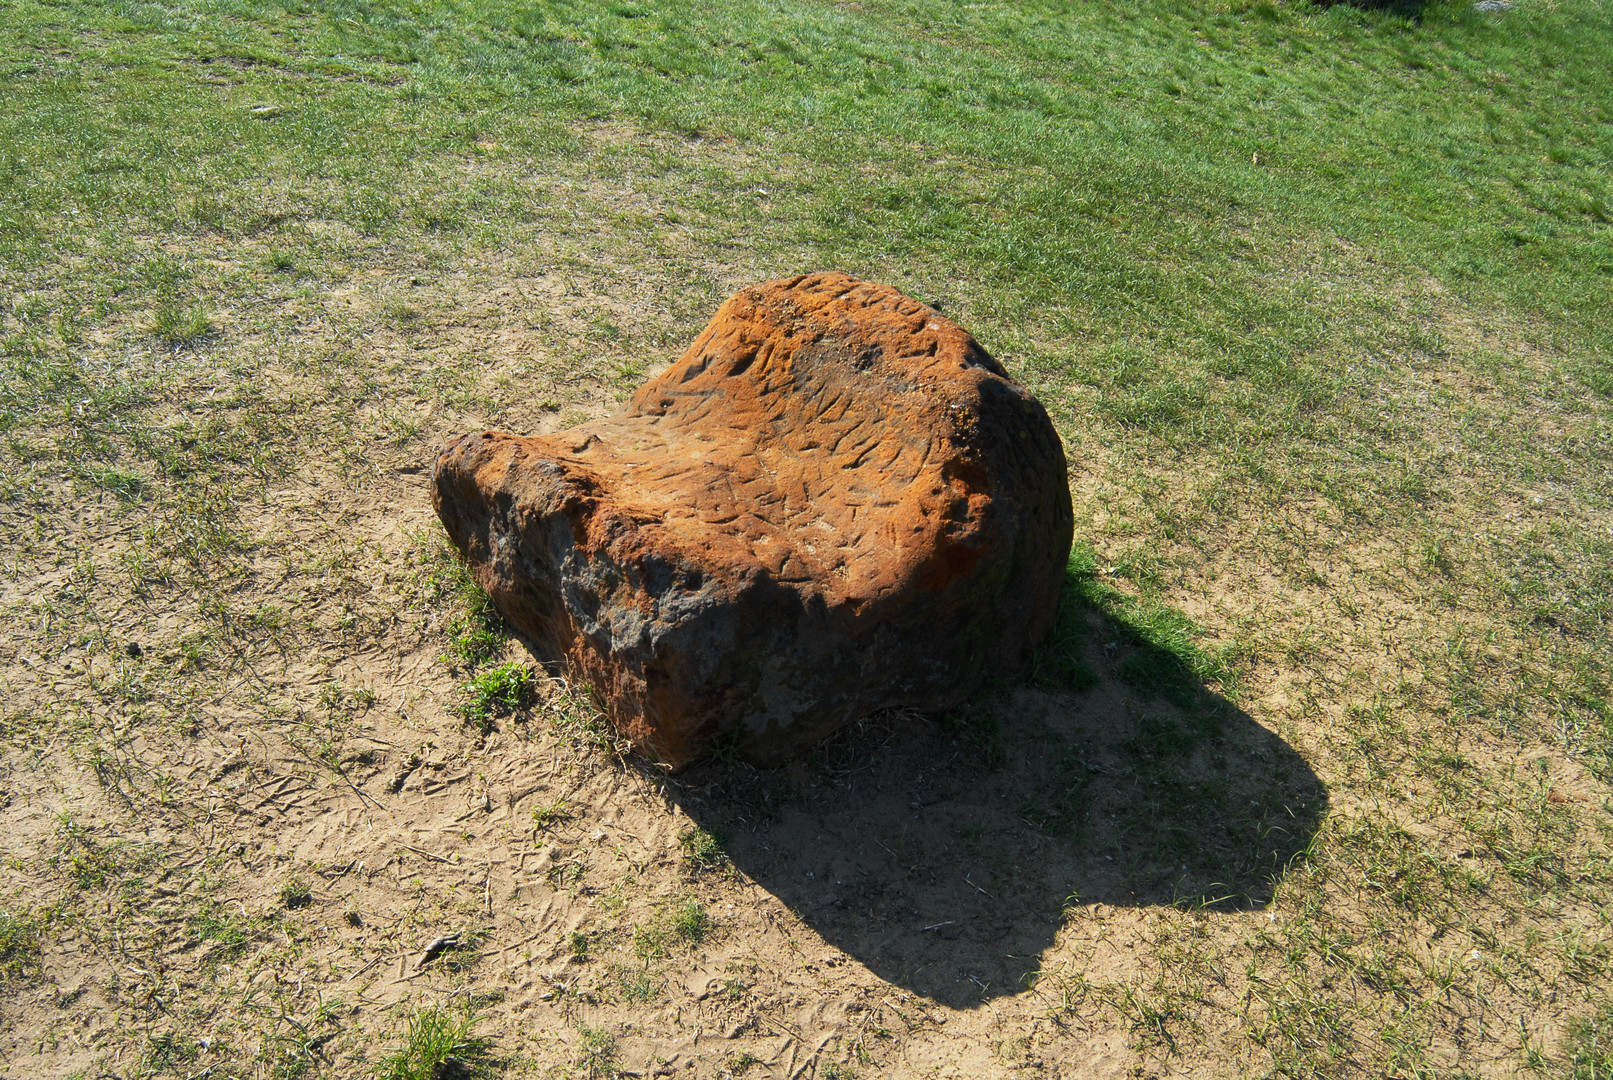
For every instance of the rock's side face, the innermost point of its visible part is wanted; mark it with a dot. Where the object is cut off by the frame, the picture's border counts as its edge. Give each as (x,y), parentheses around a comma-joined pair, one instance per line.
(836,501)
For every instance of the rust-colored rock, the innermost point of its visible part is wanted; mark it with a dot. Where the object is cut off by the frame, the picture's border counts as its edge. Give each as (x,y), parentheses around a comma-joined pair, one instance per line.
(836,501)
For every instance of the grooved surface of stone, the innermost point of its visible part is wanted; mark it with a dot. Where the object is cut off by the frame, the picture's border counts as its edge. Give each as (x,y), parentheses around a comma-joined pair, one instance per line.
(835,501)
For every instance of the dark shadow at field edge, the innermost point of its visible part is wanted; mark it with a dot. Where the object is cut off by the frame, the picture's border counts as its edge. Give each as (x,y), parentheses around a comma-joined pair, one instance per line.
(943,853)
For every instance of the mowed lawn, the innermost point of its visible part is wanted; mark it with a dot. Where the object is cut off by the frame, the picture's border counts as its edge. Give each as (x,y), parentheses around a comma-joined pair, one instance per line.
(1320,299)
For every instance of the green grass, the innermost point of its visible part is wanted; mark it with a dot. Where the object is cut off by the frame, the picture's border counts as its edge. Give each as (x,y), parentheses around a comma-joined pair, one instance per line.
(1318,298)
(596,1059)
(220,930)
(680,922)
(474,628)
(437,1043)
(19,946)
(92,862)
(702,848)
(574,714)
(181,327)
(295,892)
(635,983)
(550,814)
(976,720)
(1590,1046)
(1169,657)
(495,691)
(168,1052)
(689,921)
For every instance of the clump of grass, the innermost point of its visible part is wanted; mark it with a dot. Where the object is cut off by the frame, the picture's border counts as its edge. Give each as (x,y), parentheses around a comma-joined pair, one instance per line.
(90,867)
(703,848)
(295,892)
(1590,1046)
(168,1050)
(289,1060)
(181,327)
(129,487)
(635,982)
(597,1053)
(550,813)
(474,628)
(737,1066)
(402,315)
(93,863)
(475,635)
(215,923)
(493,692)
(19,947)
(1166,658)
(579,722)
(725,747)
(689,921)
(682,922)
(650,942)
(566,874)
(1058,663)
(334,697)
(437,1044)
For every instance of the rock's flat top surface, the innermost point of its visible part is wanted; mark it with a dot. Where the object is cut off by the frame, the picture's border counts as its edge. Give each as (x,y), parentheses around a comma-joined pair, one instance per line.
(835,501)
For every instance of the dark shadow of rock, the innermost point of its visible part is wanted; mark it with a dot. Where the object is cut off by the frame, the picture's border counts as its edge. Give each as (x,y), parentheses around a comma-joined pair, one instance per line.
(943,853)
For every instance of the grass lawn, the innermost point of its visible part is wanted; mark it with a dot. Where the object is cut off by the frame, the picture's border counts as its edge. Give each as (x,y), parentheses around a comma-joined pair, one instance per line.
(1320,299)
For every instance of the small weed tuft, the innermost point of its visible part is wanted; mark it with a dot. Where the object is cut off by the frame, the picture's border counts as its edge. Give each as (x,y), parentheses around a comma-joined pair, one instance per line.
(214,923)
(1590,1046)
(578,721)
(93,863)
(335,698)
(181,327)
(725,747)
(738,1066)
(167,1050)
(295,892)
(703,848)
(1060,813)
(550,814)
(597,1053)
(682,922)
(635,982)
(474,628)
(690,922)
(19,947)
(438,1044)
(493,692)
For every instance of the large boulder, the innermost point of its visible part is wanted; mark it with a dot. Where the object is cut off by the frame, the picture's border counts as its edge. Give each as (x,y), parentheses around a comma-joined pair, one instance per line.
(835,502)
